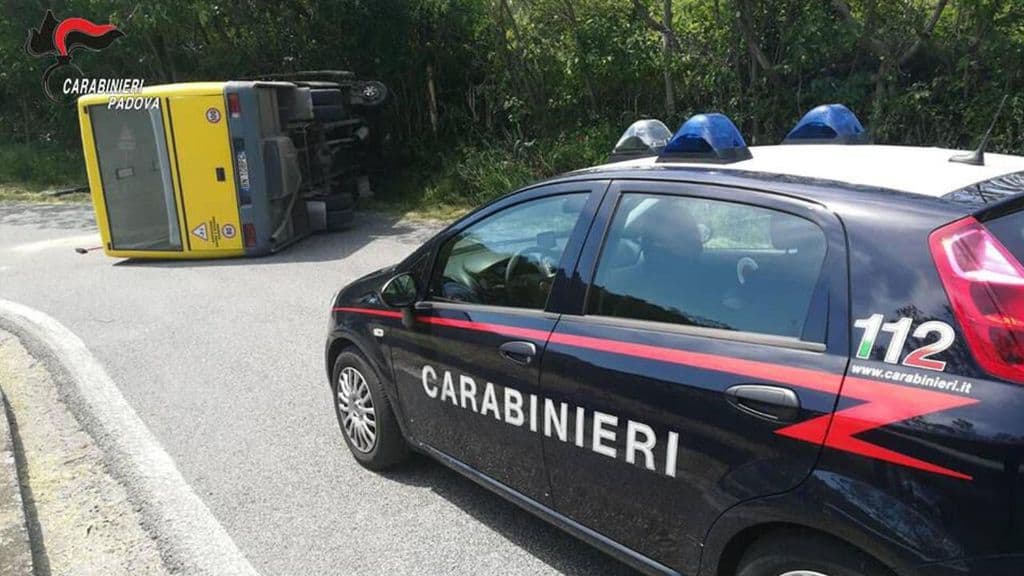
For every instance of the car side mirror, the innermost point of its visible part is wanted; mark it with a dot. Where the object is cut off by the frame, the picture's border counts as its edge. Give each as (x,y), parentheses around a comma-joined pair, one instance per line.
(399,292)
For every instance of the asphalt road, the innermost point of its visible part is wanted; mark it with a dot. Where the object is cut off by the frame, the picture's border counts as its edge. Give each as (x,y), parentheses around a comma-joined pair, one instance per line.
(223,361)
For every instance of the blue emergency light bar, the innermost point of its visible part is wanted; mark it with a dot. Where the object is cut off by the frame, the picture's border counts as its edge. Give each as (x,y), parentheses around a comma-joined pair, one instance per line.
(828,124)
(706,138)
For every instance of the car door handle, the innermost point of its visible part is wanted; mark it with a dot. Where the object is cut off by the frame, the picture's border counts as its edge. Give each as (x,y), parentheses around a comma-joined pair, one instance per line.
(769,402)
(518,351)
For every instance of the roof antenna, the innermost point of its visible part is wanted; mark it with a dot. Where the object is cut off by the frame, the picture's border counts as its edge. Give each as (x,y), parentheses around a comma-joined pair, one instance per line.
(977,158)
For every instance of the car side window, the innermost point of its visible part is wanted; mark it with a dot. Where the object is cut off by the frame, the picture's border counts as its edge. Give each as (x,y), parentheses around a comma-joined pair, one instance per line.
(709,263)
(509,258)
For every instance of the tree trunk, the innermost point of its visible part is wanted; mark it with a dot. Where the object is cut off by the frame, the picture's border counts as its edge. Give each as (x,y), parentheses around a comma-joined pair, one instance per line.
(588,81)
(666,54)
(28,120)
(881,81)
(163,59)
(746,26)
(924,34)
(431,98)
(471,103)
(533,88)
(755,126)
(167,59)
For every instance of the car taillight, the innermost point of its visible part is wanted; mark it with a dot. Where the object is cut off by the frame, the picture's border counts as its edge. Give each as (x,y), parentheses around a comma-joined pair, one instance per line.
(234,106)
(985,285)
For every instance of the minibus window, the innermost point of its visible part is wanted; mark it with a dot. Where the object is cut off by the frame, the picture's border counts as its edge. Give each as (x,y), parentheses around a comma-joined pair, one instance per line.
(135,173)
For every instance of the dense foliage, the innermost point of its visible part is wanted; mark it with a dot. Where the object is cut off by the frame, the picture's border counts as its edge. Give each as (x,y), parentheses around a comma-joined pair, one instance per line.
(489,94)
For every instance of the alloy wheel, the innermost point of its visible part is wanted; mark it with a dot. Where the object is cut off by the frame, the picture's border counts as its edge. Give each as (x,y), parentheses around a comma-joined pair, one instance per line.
(355,404)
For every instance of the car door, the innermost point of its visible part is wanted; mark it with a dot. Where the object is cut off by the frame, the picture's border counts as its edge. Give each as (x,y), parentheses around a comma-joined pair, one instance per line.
(467,370)
(700,363)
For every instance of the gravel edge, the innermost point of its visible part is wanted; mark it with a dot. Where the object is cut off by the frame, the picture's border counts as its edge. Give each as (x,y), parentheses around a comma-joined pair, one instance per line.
(15,546)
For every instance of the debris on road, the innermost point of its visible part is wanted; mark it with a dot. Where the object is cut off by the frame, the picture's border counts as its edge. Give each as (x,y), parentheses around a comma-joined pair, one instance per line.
(67,191)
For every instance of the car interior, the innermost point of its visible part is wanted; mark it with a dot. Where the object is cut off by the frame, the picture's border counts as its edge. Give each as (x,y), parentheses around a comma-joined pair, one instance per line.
(664,260)
(679,260)
(507,261)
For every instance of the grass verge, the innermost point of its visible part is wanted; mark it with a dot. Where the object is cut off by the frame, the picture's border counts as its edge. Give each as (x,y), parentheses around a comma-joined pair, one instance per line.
(452,182)
(35,193)
(29,172)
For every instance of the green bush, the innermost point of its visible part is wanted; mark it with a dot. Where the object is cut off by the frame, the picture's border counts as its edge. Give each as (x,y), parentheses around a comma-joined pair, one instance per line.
(41,165)
(487,95)
(482,171)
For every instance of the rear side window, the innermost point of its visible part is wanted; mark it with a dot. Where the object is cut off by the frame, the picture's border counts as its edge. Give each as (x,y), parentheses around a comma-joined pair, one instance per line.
(1010,231)
(708,263)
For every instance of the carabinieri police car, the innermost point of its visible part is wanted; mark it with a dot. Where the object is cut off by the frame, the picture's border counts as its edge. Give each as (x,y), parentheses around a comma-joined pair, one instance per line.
(703,358)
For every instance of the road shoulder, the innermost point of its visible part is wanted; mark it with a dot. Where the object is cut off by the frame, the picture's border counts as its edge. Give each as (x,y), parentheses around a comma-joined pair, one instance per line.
(80,518)
(188,537)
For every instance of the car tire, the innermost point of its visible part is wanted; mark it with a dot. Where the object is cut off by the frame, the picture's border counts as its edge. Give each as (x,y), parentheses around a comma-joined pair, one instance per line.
(805,553)
(369,94)
(367,422)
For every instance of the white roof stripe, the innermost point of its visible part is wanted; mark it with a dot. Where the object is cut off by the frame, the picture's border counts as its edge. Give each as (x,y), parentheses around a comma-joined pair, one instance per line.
(917,170)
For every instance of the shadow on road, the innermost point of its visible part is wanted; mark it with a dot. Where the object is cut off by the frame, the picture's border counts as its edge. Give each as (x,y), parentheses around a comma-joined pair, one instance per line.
(321,247)
(555,548)
(368,227)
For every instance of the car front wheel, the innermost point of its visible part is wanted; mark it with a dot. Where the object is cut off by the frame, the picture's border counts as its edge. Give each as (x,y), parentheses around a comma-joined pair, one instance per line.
(364,412)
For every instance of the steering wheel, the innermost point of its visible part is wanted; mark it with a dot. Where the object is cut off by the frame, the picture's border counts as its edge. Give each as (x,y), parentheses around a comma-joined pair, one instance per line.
(546,262)
(745,267)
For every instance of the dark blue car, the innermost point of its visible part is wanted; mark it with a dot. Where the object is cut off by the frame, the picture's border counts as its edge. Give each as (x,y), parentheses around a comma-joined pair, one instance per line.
(704,358)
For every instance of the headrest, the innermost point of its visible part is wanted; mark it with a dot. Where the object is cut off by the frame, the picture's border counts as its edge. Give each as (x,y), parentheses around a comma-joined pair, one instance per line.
(624,252)
(669,225)
(794,233)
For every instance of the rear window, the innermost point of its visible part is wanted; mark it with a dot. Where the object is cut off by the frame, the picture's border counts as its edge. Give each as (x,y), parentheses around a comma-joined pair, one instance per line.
(136,178)
(1010,231)
(989,191)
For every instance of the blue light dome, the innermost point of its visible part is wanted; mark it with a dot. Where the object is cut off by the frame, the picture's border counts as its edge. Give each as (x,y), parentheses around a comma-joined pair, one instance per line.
(828,124)
(707,137)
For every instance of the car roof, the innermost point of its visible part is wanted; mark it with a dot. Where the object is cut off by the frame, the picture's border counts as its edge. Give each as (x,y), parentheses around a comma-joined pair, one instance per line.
(914,170)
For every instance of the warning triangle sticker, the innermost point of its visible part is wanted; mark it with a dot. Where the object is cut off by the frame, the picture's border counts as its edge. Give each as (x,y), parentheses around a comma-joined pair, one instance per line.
(200,231)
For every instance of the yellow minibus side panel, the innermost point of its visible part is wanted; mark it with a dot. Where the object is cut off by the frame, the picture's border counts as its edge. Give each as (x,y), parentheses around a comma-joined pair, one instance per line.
(205,174)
